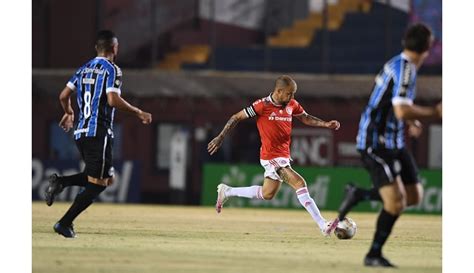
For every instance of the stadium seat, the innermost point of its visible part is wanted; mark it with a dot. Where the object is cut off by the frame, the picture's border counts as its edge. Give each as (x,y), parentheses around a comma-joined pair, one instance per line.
(357,46)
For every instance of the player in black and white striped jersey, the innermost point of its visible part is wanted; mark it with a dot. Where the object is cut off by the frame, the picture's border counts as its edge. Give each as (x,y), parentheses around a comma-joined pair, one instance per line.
(381,140)
(98,88)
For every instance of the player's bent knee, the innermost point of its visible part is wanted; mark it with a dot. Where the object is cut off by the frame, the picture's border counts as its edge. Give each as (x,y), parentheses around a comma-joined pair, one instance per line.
(396,204)
(395,207)
(299,184)
(268,195)
(101,182)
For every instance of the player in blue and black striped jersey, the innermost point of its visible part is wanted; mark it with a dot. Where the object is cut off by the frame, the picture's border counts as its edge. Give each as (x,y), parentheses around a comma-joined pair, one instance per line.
(381,143)
(98,88)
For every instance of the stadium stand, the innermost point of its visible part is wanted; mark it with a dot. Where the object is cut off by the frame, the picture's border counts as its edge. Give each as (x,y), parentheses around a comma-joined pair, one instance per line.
(357,42)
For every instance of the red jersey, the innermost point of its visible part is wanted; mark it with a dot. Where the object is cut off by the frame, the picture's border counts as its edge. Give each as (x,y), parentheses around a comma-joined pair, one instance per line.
(274,123)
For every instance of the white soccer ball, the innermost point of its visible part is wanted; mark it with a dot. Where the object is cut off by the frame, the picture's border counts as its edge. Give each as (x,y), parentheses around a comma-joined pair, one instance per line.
(346,229)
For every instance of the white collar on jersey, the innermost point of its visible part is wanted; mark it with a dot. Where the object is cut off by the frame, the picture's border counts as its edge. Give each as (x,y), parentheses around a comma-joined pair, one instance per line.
(99,57)
(405,56)
(272,101)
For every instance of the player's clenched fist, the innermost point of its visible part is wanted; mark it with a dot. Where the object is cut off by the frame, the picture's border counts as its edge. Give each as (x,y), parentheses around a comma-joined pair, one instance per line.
(333,124)
(145,117)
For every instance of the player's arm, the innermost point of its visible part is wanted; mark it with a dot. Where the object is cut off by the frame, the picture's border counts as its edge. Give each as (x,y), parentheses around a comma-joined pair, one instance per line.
(216,143)
(408,111)
(67,121)
(65,100)
(403,96)
(310,120)
(115,100)
(113,90)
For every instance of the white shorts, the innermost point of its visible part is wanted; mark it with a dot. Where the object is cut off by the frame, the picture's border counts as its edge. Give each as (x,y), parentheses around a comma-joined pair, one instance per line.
(271,166)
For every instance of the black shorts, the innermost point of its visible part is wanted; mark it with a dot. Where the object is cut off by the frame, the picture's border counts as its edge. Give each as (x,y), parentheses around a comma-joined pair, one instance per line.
(97,155)
(385,165)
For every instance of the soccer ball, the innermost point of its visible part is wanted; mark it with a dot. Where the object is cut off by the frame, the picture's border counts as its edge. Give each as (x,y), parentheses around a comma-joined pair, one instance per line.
(346,229)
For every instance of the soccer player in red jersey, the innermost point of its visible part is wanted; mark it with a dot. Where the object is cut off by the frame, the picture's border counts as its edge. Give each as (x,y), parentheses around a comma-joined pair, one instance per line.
(274,115)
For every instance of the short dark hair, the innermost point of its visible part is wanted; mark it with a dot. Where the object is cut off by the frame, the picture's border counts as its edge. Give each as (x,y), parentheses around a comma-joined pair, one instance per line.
(105,41)
(417,38)
(284,81)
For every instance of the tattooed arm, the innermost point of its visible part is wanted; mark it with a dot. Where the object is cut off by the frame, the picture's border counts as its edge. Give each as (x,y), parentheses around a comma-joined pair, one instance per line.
(317,122)
(216,143)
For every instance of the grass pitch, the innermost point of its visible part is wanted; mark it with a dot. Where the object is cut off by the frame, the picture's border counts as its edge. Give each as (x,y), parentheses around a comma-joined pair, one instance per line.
(138,238)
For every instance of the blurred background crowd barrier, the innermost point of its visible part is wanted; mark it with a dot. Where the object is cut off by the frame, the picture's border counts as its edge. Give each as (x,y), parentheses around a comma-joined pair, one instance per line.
(194,63)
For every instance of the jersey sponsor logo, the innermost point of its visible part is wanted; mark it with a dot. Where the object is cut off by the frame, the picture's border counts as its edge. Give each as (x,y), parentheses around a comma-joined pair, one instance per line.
(88,81)
(93,70)
(274,117)
(80,131)
(283,118)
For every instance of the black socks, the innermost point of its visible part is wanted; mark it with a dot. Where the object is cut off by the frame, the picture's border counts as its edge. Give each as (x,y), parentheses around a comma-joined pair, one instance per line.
(79,179)
(83,200)
(370,194)
(385,224)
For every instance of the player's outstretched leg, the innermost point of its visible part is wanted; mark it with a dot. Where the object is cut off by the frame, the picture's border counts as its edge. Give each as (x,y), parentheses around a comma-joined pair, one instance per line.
(224,192)
(308,203)
(82,201)
(353,195)
(58,183)
(350,200)
(298,183)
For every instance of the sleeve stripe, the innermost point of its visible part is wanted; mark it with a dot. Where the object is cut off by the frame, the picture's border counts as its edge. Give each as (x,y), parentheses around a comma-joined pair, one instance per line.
(253,110)
(112,89)
(246,113)
(406,73)
(112,75)
(250,112)
(401,100)
(404,78)
(71,85)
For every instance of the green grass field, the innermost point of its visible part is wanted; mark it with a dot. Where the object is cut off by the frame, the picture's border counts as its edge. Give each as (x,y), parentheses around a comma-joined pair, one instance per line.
(137,238)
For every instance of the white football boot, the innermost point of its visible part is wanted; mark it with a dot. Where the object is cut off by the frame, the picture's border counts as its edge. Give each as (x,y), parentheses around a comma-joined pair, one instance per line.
(221,197)
(330,227)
